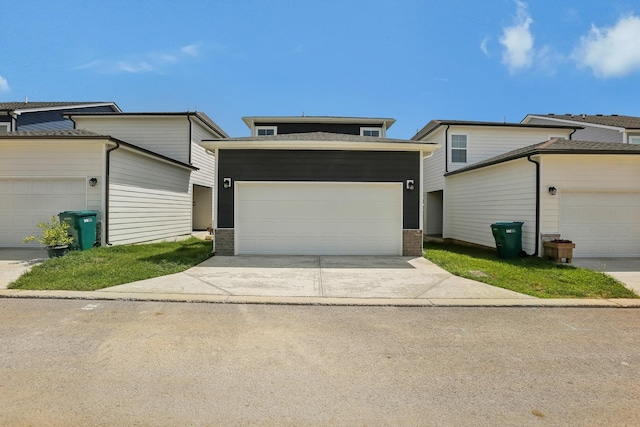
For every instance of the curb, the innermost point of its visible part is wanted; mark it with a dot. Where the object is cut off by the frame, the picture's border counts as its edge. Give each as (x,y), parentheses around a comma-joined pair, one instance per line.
(323,301)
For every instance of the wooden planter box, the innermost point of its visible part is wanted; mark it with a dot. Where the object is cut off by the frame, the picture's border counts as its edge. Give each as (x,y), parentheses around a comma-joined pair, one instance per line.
(558,250)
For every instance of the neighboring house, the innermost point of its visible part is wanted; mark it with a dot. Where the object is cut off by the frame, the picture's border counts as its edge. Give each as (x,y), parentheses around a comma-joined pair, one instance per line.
(152,180)
(466,143)
(28,116)
(583,191)
(599,128)
(318,186)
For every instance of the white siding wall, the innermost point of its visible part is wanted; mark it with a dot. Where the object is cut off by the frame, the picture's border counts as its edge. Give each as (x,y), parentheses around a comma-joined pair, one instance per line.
(476,199)
(434,165)
(583,173)
(164,135)
(55,158)
(486,142)
(149,199)
(590,133)
(200,159)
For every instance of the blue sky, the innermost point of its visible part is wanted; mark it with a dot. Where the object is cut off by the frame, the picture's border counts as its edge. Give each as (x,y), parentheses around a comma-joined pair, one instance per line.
(407,59)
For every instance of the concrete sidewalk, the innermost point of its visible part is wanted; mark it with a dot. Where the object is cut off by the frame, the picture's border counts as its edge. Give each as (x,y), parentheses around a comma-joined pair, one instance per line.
(321,280)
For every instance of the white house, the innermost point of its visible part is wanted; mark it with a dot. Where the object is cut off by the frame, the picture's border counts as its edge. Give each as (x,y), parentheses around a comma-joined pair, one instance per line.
(584,191)
(144,173)
(465,143)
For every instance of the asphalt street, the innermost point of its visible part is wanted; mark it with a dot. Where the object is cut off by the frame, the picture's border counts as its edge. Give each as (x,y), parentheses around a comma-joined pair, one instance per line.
(75,362)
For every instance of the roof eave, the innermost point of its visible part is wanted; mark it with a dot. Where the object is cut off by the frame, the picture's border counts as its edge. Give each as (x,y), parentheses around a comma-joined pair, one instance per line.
(318,145)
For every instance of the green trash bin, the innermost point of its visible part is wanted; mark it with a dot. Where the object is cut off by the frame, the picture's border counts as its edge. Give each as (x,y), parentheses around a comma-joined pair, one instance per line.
(508,236)
(82,227)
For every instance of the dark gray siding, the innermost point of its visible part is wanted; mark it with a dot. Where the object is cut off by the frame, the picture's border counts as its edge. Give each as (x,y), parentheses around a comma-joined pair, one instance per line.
(589,133)
(332,166)
(53,120)
(283,128)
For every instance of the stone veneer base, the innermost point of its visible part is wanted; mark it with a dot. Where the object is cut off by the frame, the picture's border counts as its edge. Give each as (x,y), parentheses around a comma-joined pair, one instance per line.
(224,239)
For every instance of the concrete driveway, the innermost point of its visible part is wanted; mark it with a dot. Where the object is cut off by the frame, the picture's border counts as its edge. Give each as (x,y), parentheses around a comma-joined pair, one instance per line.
(14,262)
(626,270)
(319,276)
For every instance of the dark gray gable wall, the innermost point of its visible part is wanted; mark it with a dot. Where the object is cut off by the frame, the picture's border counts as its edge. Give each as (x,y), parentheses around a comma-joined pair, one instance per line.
(319,165)
(349,129)
(53,120)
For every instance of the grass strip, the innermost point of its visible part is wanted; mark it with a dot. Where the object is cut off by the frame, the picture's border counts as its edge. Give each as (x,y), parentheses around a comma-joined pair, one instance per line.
(103,267)
(528,275)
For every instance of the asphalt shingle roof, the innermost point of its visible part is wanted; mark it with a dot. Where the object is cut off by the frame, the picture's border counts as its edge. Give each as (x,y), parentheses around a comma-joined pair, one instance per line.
(627,122)
(556,146)
(320,136)
(65,133)
(434,124)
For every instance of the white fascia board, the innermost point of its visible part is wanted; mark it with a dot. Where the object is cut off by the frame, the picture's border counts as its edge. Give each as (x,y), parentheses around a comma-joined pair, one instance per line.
(322,145)
(572,122)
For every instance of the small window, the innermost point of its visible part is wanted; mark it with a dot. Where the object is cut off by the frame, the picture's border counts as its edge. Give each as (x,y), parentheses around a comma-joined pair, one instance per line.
(4,127)
(377,132)
(634,140)
(266,130)
(459,148)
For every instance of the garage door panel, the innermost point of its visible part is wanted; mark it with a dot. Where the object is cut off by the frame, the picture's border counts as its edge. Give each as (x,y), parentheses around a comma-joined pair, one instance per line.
(325,218)
(24,202)
(601,224)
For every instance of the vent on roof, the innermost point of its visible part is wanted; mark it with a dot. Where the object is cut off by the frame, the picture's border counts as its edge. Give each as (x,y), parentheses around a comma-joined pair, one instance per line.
(551,114)
(599,115)
(614,115)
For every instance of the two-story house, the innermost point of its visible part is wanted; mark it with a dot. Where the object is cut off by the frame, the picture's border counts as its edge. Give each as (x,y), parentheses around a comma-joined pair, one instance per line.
(466,143)
(144,173)
(318,186)
(537,173)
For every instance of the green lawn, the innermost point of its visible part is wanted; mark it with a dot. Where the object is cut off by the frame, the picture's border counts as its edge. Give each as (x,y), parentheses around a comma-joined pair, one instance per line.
(529,275)
(99,268)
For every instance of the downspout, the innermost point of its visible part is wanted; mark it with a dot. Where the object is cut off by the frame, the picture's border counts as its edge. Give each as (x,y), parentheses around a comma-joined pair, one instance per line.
(537,240)
(571,134)
(190,134)
(106,193)
(446,149)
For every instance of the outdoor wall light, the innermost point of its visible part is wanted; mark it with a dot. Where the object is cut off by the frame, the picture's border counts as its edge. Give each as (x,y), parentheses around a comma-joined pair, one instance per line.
(553,190)
(93,182)
(226,182)
(410,185)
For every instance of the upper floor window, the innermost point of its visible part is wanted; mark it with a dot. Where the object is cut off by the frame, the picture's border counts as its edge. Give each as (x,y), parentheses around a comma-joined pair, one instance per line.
(4,127)
(377,132)
(266,130)
(459,148)
(634,140)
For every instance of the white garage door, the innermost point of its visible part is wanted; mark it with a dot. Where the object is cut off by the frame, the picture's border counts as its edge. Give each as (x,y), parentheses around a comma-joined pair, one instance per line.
(601,224)
(318,218)
(25,202)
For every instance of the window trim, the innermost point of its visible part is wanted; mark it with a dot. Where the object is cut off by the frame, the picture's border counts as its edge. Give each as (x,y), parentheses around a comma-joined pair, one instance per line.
(7,125)
(273,128)
(372,128)
(452,148)
(634,137)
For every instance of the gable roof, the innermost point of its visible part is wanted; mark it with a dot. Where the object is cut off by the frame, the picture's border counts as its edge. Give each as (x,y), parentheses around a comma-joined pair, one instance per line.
(202,117)
(613,120)
(433,125)
(555,146)
(252,120)
(23,107)
(321,141)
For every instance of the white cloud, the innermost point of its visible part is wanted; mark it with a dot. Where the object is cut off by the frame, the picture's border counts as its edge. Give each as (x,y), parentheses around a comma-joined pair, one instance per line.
(191,49)
(483,46)
(518,41)
(611,51)
(4,85)
(151,62)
